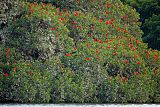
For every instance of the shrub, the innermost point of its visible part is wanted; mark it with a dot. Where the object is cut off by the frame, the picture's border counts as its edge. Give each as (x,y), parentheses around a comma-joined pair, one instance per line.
(87,56)
(36,35)
(156,77)
(110,90)
(10,10)
(124,13)
(149,16)
(23,81)
(96,45)
(140,88)
(71,87)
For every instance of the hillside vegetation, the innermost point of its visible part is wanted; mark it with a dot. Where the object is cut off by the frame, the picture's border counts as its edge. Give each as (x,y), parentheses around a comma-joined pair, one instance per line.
(76,51)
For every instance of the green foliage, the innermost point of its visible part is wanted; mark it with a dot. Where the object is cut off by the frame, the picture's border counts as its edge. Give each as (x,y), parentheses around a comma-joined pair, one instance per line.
(151,32)
(156,78)
(149,16)
(71,87)
(116,9)
(38,36)
(24,81)
(110,90)
(140,88)
(92,39)
(78,55)
(8,11)
(146,8)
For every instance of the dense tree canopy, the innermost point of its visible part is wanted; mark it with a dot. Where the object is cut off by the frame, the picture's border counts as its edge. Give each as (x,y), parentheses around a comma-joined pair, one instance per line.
(151,29)
(149,16)
(77,51)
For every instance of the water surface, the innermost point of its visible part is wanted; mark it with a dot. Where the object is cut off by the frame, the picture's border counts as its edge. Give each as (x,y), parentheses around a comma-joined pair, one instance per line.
(79,105)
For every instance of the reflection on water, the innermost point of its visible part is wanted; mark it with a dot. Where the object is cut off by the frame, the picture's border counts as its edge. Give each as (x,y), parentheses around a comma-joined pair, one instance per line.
(79,105)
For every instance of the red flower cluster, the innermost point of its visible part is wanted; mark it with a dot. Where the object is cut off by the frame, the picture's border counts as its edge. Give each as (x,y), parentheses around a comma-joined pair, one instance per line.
(52,28)
(68,54)
(76,13)
(87,59)
(107,12)
(6,74)
(127,61)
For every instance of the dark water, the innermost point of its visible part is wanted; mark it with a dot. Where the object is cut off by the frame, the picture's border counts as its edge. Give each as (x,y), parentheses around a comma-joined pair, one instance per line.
(79,105)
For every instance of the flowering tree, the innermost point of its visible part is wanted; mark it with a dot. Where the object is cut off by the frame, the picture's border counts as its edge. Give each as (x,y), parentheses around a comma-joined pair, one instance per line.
(90,51)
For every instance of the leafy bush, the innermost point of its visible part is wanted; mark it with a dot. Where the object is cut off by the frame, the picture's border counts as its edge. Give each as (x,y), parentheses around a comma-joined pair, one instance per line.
(96,45)
(149,16)
(140,88)
(79,55)
(110,91)
(23,81)
(156,77)
(36,35)
(71,87)
(10,10)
